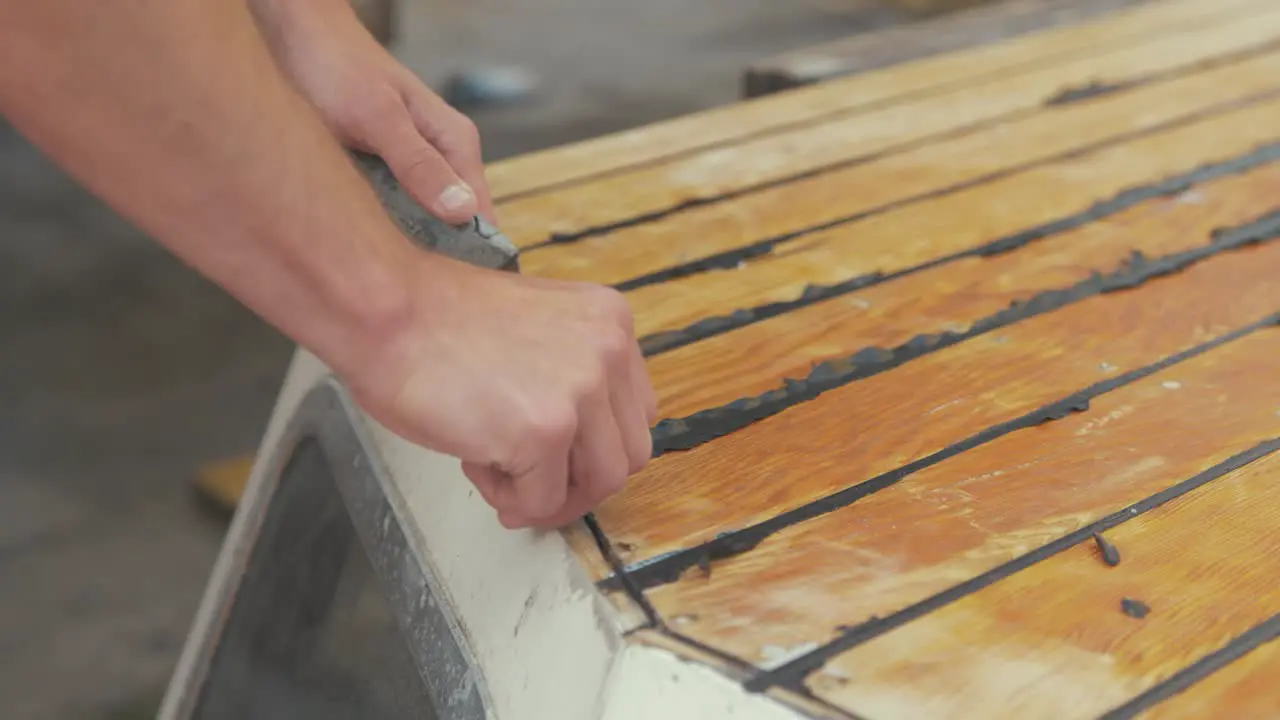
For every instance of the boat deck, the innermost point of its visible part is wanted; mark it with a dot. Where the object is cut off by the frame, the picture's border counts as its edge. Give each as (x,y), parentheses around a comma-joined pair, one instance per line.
(968,371)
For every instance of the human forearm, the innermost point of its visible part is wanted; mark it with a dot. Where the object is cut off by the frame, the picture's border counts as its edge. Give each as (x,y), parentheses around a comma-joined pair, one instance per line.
(174,113)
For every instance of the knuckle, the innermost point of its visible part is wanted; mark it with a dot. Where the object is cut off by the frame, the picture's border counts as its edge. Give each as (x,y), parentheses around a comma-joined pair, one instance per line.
(468,133)
(553,423)
(641,458)
(613,478)
(421,160)
(616,308)
(613,343)
(378,105)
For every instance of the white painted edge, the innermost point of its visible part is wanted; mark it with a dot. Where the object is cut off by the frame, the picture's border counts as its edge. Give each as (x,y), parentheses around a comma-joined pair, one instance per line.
(543,636)
(652,683)
(300,377)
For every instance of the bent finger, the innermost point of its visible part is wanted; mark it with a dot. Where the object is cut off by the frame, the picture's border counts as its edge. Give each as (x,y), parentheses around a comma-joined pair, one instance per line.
(601,461)
(457,139)
(423,171)
(498,490)
(630,409)
(541,491)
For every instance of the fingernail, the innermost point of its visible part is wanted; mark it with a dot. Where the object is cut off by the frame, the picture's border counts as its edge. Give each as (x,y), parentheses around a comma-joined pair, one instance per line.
(455,197)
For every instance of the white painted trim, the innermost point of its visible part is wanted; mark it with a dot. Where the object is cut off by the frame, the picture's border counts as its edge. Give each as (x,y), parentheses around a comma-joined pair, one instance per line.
(651,683)
(542,635)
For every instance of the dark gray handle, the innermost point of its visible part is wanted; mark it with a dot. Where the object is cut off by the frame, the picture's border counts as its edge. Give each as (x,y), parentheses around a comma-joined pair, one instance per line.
(477,242)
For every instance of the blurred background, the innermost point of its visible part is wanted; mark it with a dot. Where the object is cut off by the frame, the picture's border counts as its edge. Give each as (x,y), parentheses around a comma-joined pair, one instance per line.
(121,371)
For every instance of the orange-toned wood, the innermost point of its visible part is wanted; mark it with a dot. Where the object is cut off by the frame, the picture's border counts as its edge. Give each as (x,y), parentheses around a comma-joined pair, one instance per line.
(587,159)
(952,521)
(1051,641)
(911,235)
(867,427)
(837,193)
(757,357)
(1244,689)
(951,32)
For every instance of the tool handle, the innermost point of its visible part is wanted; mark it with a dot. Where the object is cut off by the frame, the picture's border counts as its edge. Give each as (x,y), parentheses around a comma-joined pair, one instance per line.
(476,242)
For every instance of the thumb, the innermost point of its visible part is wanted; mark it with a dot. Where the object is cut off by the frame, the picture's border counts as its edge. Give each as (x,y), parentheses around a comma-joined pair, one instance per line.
(420,168)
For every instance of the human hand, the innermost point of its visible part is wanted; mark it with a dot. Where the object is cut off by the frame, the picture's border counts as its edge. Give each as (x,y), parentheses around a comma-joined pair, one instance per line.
(373,103)
(537,385)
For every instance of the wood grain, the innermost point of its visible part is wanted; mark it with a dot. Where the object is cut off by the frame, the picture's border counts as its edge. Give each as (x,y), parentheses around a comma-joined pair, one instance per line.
(1244,689)
(912,235)
(951,32)
(757,357)
(1051,641)
(929,172)
(868,427)
(589,159)
(952,521)
(908,236)
(907,169)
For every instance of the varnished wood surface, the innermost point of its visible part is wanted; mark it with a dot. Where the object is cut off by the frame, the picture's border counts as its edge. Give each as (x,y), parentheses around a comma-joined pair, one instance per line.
(976,116)
(916,491)
(1246,689)
(901,238)
(582,162)
(951,32)
(874,425)
(955,295)
(1052,641)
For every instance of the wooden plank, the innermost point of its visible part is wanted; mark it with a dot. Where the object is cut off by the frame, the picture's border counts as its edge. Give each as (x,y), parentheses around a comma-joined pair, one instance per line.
(978,509)
(590,159)
(1247,688)
(904,237)
(951,32)
(1052,641)
(879,423)
(782,219)
(935,7)
(1007,107)
(757,357)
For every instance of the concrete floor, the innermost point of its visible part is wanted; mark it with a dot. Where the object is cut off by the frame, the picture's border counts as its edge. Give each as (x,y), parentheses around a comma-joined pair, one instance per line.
(121,370)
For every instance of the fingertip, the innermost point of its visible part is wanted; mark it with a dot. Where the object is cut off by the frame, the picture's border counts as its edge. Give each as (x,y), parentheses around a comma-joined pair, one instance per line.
(456,203)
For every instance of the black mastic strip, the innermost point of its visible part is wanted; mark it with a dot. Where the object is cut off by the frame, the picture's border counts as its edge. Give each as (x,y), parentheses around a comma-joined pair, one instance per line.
(794,672)
(707,328)
(734,257)
(1257,636)
(1066,97)
(632,590)
(677,434)
(668,568)
(661,342)
(742,668)
(1086,92)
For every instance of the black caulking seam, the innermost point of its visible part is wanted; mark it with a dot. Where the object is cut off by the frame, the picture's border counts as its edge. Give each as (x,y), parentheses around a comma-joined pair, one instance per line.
(1257,636)
(668,568)
(1093,90)
(1073,96)
(732,258)
(652,619)
(967,82)
(658,343)
(677,434)
(794,672)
